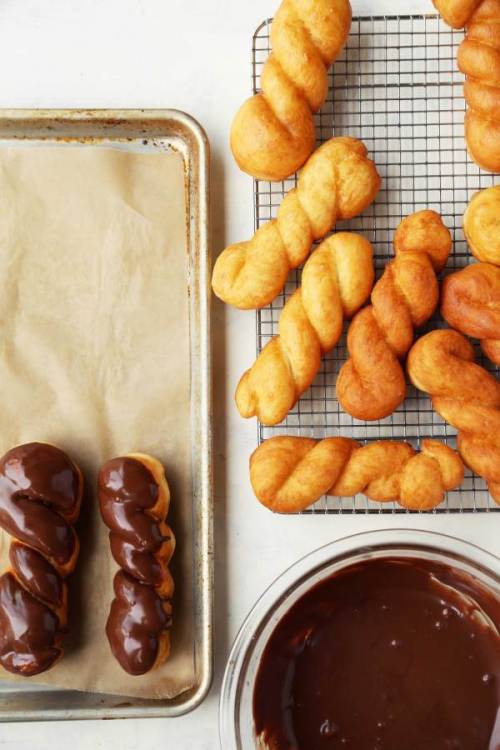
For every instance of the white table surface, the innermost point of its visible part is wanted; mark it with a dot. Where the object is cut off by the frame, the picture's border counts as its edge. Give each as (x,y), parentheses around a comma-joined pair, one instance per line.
(193,55)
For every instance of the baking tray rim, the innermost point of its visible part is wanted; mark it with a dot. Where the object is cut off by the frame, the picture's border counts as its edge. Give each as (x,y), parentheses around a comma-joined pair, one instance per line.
(82,125)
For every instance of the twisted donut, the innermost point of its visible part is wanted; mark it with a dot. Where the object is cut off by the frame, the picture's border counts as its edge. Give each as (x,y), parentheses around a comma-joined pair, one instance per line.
(465,395)
(272,134)
(371,385)
(134,498)
(40,498)
(290,473)
(338,182)
(482,225)
(479,60)
(336,281)
(470,302)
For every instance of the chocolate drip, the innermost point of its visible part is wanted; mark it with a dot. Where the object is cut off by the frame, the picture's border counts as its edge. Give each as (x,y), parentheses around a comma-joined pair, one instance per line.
(40,493)
(139,616)
(386,654)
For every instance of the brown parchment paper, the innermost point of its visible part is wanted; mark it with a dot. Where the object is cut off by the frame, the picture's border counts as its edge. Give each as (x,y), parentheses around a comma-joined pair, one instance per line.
(94,357)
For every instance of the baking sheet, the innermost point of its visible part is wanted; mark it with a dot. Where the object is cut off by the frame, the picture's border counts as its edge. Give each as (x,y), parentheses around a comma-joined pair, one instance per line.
(95,357)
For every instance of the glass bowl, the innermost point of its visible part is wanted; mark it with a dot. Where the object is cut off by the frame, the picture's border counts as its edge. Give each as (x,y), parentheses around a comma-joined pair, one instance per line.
(236,704)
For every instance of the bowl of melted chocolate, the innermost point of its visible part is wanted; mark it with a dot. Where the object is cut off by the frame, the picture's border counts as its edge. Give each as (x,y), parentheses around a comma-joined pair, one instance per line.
(382,641)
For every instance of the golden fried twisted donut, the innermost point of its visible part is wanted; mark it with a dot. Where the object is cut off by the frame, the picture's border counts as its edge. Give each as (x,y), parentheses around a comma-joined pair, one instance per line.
(482,225)
(134,498)
(290,473)
(470,302)
(272,134)
(371,385)
(479,60)
(336,281)
(40,498)
(465,395)
(338,182)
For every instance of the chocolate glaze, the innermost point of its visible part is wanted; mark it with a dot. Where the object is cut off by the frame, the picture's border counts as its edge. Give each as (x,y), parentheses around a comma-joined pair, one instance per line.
(36,574)
(40,493)
(138,616)
(38,485)
(29,631)
(385,655)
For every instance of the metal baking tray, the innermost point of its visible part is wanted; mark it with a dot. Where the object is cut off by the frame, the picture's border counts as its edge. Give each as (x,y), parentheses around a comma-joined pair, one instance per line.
(140,129)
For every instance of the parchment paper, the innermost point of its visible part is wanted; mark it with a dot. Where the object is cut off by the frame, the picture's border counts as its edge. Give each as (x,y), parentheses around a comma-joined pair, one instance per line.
(94,357)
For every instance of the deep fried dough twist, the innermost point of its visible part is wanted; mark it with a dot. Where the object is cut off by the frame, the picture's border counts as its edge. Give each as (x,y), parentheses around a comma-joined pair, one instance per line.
(371,385)
(290,473)
(479,60)
(336,281)
(134,499)
(465,395)
(272,134)
(40,498)
(338,182)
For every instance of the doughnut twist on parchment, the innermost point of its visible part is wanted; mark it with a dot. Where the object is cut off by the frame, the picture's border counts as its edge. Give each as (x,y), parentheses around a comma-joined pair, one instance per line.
(479,60)
(134,498)
(371,384)
(470,303)
(40,498)
(290,473)
(465,395)
(338,182)
(336,281)
(273,134)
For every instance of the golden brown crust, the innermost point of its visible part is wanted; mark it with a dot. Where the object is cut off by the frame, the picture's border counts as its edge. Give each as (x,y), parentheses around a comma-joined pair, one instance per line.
(470,303)
(371,384)
(479,59)
(464,394)
(457,13)
(338,182)
(336,281)
(290,473)
(482,225)
(272,134)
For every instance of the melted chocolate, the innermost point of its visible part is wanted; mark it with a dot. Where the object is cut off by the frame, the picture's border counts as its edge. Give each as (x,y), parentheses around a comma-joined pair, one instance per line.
(138,616)
(40,487)
(385,655)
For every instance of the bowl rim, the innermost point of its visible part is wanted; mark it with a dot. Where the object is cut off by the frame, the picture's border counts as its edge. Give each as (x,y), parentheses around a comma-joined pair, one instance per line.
(392,541)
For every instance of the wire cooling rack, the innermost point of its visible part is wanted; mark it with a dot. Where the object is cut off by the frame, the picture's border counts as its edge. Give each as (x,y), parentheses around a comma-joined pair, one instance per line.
(397,88)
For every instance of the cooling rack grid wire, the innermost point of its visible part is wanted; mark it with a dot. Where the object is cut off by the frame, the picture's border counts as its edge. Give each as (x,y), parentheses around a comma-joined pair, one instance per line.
(396,86)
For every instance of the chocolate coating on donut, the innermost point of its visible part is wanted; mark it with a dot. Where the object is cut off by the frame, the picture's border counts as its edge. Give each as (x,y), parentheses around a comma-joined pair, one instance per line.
(137,618)
(29,630)
(128,494)
(39,485)
(40,494)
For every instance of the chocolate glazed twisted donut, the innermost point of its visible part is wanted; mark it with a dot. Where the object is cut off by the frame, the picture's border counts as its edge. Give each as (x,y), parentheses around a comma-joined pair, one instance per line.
(273,132)
(134,498)
(40,498)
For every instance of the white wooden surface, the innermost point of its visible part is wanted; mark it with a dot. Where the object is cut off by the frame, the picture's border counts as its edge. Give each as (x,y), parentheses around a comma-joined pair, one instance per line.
(194,56)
